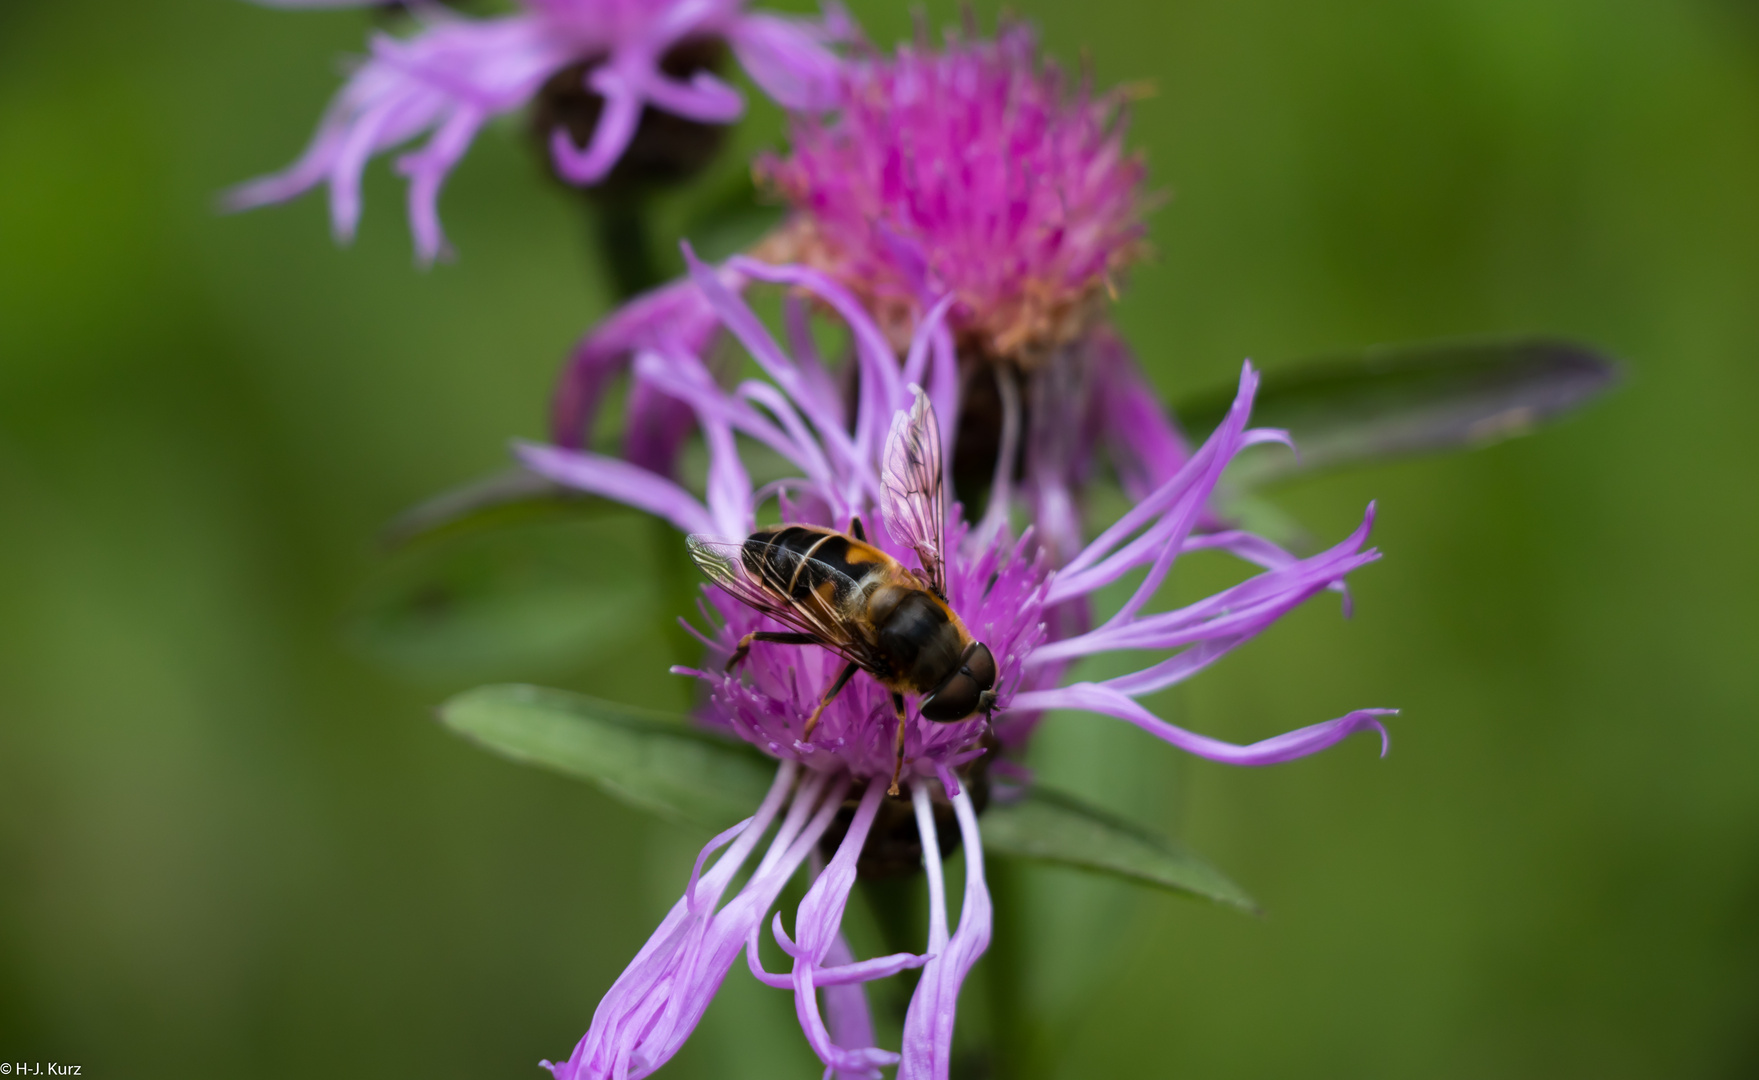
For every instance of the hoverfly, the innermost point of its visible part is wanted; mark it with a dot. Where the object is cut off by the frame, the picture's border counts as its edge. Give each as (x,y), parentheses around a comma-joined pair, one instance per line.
(838,591)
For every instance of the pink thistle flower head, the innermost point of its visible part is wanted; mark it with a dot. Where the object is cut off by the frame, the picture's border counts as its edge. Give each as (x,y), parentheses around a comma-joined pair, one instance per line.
(836,776)
(973,170)
(456,73)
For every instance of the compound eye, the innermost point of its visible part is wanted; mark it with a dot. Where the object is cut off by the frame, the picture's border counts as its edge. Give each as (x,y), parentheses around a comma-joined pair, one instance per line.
(981,665)
(955,700)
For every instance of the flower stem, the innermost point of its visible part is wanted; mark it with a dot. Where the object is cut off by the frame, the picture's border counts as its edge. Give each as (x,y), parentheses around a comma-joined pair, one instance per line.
(1011,1050)
(620,221)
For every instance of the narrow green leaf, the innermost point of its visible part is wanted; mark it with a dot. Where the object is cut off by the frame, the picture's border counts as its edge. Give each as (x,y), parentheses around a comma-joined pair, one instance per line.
(517,600)
(1402,399)
(1048,826)
(512,496)
(650,760)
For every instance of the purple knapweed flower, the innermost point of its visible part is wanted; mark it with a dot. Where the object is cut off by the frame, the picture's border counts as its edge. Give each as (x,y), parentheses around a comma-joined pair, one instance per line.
(970,174)
(457,72)
(1005,590)
(971,170)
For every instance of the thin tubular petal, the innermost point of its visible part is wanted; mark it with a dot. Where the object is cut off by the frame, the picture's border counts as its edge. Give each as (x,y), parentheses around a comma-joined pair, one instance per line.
(729,485)
(428,169)
(621,481)
(744,324)
(806,451)
(659,999)
(658,424)
(931,867)
(1228,612)
(674,318)
(1093,697)
(616,127)
(834,972)
(640,992)
(1146,447)
(845,1003)
(921,343)
(882,388)
(452,75)
(928,1026)
(683,376)
(1155,503)
(785,59)
(817,926)
(817,381)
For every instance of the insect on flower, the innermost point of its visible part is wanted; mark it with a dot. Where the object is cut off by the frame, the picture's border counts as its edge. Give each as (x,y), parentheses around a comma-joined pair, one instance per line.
(840,592)
(874,458)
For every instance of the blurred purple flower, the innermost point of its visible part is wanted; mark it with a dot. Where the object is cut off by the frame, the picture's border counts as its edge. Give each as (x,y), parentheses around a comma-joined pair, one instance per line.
(1007,594)
(971,170)
(456,73)
(971,173)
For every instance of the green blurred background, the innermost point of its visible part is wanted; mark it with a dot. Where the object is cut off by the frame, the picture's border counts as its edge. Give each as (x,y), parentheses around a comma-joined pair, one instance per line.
(231,841)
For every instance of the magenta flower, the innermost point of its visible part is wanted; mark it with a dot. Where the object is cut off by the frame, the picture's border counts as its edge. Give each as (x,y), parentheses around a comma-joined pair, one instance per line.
(970,170)
(970,175)
(457,73)
(1008,595)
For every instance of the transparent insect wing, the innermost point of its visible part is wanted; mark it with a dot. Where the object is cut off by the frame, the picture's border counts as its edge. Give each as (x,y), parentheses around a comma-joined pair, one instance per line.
(809,612)
(913,498)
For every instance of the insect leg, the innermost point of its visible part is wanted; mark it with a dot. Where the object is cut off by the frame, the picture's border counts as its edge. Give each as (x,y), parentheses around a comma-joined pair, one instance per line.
(898,707)
(849,671)
(856,530)
(779,637)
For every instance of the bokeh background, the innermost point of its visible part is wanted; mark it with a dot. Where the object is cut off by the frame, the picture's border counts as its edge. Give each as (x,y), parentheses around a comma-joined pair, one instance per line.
(232,839)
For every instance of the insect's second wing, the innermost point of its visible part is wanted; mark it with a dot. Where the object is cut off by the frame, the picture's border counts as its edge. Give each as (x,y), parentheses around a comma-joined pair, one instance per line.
(802,593)
(910,481)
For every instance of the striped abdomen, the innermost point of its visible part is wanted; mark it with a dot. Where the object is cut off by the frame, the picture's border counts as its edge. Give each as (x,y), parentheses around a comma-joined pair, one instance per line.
(913,638)
(793,561)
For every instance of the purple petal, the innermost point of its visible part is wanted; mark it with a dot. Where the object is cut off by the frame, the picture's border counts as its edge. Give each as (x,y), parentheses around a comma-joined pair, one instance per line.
(1093,697)
(834,972)
(1146,447)
(928,1026)
(704,98)
(822,390)
(656,429)
(817,926)
(922,342)
(619,481)
(674,317)
(788,62)
(729,485)
(451,76)
(616,127)
(1235,614)
(1176,503)
(744,324)
(427,170)
(846,1011)
(882,387)
(659,999)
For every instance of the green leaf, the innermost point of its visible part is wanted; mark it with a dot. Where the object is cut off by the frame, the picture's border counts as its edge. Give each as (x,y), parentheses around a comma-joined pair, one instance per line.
(511,497)
(1048,826)
(517,600)
(661,764)
(652,761)
(1402,399)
